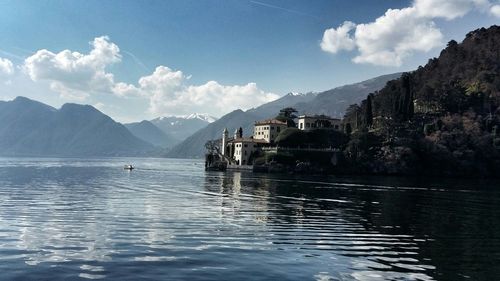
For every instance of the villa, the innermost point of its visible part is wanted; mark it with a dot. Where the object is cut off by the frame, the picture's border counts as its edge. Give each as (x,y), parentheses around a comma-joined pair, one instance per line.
(268,130)
(239,151)
(311,122)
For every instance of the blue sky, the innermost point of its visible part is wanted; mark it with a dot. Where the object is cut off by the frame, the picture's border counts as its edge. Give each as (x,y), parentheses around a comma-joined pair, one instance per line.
(241,52)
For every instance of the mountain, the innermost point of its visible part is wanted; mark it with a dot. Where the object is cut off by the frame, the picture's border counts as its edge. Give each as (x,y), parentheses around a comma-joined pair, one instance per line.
(30,128)
(194,146)
(147,131)
(181,127)
(272,108)
(442,119)
(202,117)
(331,102)
(334,102)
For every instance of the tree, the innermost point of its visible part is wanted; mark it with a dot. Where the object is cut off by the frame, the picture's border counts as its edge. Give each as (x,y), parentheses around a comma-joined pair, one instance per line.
(403,106)
(348,129)
(351,117)
(212,146)
(369,112)
(292,137)
(287,115)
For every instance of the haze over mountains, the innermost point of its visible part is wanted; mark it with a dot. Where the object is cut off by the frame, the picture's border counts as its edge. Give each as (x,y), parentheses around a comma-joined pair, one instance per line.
(147,131)
(181,127)
(31,128)
(332,102)
(166,132)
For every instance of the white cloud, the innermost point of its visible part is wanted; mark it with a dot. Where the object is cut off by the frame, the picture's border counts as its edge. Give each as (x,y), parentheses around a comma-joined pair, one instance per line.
(6,67)
(78,77)
(73,74)
(394,36)
(169,93)
(337,39)
(448,9)
(399,33)
(495,10)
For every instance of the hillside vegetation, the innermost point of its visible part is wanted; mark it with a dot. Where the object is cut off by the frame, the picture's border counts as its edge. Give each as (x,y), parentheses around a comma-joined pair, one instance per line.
(442,119)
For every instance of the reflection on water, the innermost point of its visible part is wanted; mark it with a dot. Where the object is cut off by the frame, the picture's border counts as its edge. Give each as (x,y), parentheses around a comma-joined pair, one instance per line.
(168,219)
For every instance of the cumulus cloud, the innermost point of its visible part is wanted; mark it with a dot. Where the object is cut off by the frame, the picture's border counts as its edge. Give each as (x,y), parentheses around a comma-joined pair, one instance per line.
(337,39)
(394,36)
(6,67)
(73,74)
(169,92)
(77,76)
(398,33)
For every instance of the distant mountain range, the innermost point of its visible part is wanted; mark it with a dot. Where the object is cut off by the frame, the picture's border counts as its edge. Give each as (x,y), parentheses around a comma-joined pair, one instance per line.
(194,146)
(181,127)
(147,131)
(165,132)
(332,102)
(31,128)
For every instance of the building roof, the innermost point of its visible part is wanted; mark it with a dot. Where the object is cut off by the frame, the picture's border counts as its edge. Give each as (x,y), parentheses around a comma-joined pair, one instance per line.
(318,117)
(252,140)
(270,122)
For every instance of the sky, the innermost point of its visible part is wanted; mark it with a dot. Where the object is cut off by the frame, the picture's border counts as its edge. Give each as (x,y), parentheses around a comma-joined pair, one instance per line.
(136,60)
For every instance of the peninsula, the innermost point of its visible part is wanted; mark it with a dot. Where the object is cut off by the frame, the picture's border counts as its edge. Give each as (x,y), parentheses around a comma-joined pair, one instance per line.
(442,119)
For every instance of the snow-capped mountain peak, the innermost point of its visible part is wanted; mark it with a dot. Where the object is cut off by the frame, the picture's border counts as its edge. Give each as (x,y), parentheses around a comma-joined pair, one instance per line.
(204,117)
(297,94)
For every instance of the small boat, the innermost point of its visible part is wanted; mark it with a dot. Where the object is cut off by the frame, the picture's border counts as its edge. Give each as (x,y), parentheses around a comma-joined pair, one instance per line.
(128,167)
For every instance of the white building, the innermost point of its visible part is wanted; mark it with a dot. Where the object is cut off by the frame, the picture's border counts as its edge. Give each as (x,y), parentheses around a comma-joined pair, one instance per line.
(244,148)
(240,151)
(306,122)
(268,130)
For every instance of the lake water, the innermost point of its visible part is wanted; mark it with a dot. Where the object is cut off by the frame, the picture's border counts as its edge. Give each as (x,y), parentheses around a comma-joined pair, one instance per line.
(77,219)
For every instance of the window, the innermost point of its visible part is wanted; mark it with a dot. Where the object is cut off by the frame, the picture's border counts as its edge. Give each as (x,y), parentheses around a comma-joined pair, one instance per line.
(278,129)
(272,128)
(246,145)
(301,125)
(308,125)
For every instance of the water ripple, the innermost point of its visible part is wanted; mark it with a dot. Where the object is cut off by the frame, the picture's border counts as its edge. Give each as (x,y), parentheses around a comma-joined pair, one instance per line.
(168,219)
